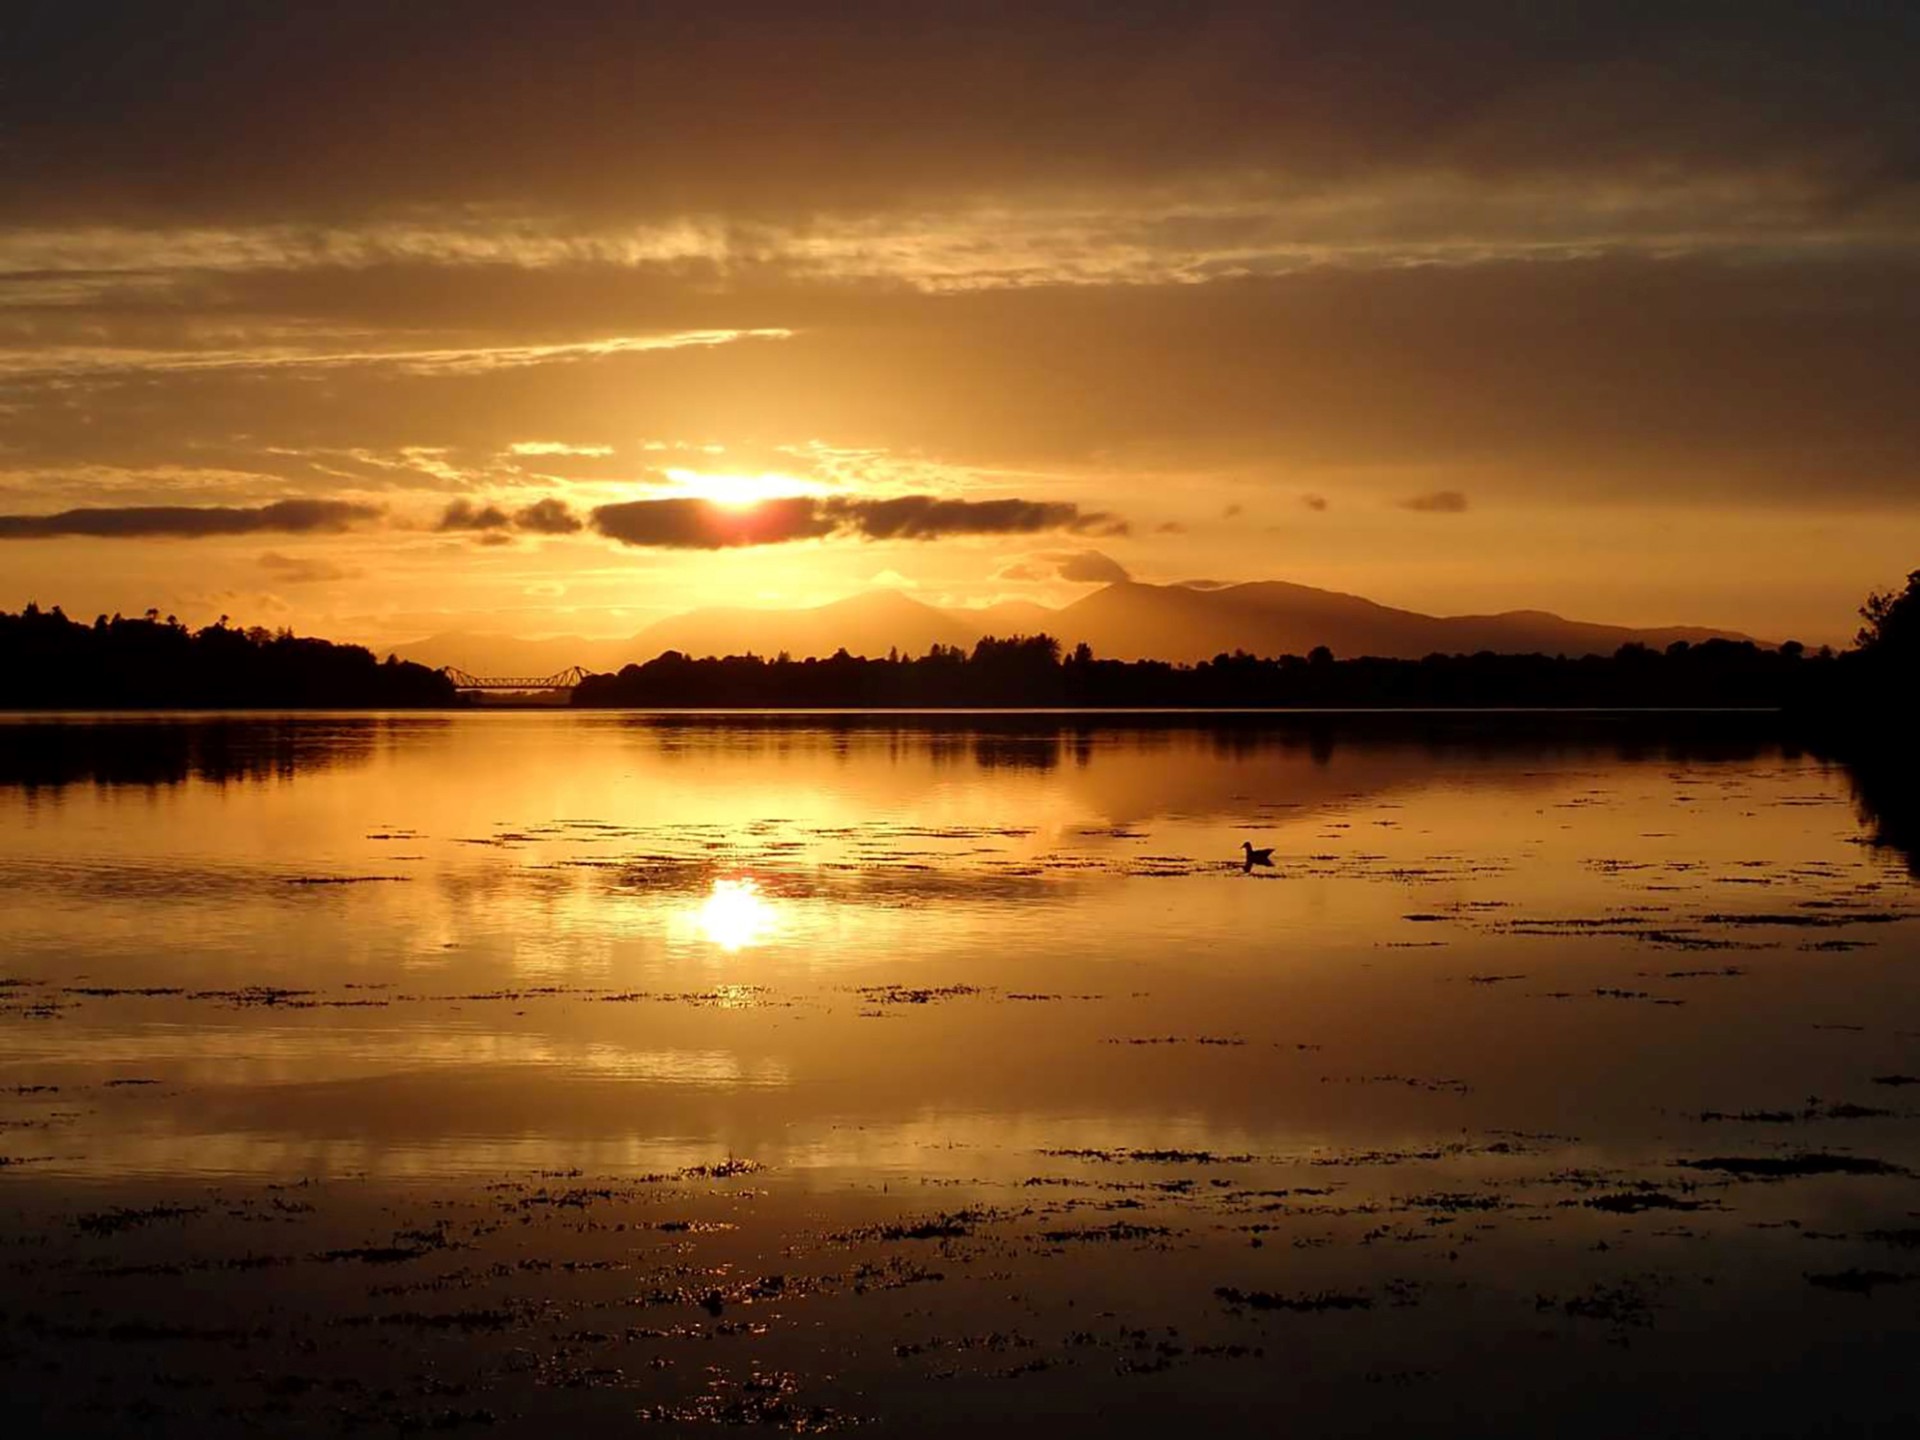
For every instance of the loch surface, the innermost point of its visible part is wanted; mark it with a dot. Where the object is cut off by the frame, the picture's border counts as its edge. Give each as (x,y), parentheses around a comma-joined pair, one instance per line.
(921,1074)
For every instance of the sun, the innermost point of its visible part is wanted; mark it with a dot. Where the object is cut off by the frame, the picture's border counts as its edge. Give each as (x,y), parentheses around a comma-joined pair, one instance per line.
(738,492)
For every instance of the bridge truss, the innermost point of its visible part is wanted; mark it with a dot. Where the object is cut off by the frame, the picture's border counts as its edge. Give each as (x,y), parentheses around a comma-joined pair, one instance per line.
(560,680)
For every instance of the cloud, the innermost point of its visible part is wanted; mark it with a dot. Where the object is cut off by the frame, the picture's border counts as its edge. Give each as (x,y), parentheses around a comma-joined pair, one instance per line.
(324,109)
(927,517)
(685,524)
(1170,527)
(1090,567)
(1501,371)
(556,447)
(293,517)
(547,517)
(462,515)
(305,569)
(1437,502)
(1314,502)
(67,362)
(691,524)
(1023,572)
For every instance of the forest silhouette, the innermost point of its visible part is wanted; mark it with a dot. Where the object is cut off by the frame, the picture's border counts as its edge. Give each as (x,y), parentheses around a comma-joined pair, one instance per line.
(48,661)
(1031,671)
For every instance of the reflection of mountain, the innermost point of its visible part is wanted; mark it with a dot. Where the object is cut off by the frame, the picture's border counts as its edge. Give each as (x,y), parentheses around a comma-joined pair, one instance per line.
(35,754)
(1126,621)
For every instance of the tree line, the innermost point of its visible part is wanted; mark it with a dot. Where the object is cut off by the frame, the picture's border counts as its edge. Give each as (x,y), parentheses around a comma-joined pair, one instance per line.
(48,661)
(1862,685)
(1032,671)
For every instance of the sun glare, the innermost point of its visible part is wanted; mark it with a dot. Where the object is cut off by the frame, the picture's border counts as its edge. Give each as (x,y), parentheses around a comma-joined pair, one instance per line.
(735,915)
(738,492)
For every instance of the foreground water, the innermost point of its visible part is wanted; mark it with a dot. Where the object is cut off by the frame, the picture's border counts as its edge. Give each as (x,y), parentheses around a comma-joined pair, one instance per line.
(506,1070)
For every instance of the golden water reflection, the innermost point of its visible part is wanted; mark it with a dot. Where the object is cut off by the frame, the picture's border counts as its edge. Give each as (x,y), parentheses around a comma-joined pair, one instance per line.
(735,916)
(1506,1061)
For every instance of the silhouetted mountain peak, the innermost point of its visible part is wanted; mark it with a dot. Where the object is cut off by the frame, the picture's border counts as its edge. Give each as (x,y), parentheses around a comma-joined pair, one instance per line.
(1127,620)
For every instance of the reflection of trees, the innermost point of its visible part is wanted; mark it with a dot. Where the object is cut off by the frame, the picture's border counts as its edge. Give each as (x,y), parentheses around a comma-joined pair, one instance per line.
(1135,766)
(993,750)
(50,755)
(1886,789)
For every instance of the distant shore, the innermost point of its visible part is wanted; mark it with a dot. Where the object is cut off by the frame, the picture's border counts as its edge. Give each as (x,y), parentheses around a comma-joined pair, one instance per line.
(51,664)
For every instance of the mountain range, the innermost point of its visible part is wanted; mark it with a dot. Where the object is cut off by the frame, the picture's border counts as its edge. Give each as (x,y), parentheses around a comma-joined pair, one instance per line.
(1124,621)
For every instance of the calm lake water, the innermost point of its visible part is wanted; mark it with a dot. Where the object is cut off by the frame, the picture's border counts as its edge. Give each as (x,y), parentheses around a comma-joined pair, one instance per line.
(507,1070)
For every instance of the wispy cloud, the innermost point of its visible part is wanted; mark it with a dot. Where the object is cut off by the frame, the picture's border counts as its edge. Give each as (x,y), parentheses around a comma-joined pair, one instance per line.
(557,447)
(305,569)
(1437,502)
(67,362)
(1220,230)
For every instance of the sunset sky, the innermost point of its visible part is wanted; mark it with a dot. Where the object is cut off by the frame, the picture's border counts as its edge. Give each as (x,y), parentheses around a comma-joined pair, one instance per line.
(384,319)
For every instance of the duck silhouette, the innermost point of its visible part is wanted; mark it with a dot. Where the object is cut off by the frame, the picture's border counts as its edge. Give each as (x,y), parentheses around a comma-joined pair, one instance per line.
(1256,857)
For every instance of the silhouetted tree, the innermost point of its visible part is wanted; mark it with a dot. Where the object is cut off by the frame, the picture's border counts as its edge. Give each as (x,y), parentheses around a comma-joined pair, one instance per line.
(1893,621)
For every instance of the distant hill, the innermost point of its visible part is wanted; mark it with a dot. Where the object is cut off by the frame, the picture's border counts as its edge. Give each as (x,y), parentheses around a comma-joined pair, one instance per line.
(1125,621)
(869,624)
(1131,621)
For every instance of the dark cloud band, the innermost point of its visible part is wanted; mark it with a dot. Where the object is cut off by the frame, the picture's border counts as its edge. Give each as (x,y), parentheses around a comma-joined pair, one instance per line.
(684,524)
(688,524)
(927,517)
(547,517)
(191,522)
(465,515)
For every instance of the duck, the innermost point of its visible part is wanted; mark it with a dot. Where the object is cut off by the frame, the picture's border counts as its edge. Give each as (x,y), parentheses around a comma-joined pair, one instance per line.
(1256,857)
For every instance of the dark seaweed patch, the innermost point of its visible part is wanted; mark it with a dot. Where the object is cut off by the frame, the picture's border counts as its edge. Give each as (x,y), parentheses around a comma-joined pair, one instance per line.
(1780,1167)
(1634,1202)
(1310,1303)
(112,1222)
(1857,1281)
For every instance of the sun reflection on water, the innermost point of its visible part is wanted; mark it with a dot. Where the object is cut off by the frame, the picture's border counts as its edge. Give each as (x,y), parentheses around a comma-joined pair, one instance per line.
(735,915)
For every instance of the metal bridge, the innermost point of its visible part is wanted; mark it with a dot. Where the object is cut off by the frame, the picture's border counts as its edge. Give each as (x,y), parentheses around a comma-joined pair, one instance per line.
(561,680)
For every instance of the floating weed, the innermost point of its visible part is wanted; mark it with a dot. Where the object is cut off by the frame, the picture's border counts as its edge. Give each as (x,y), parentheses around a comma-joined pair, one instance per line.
(1782,1167)
(114,1221)
(1857,1281)
(1315,1302)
